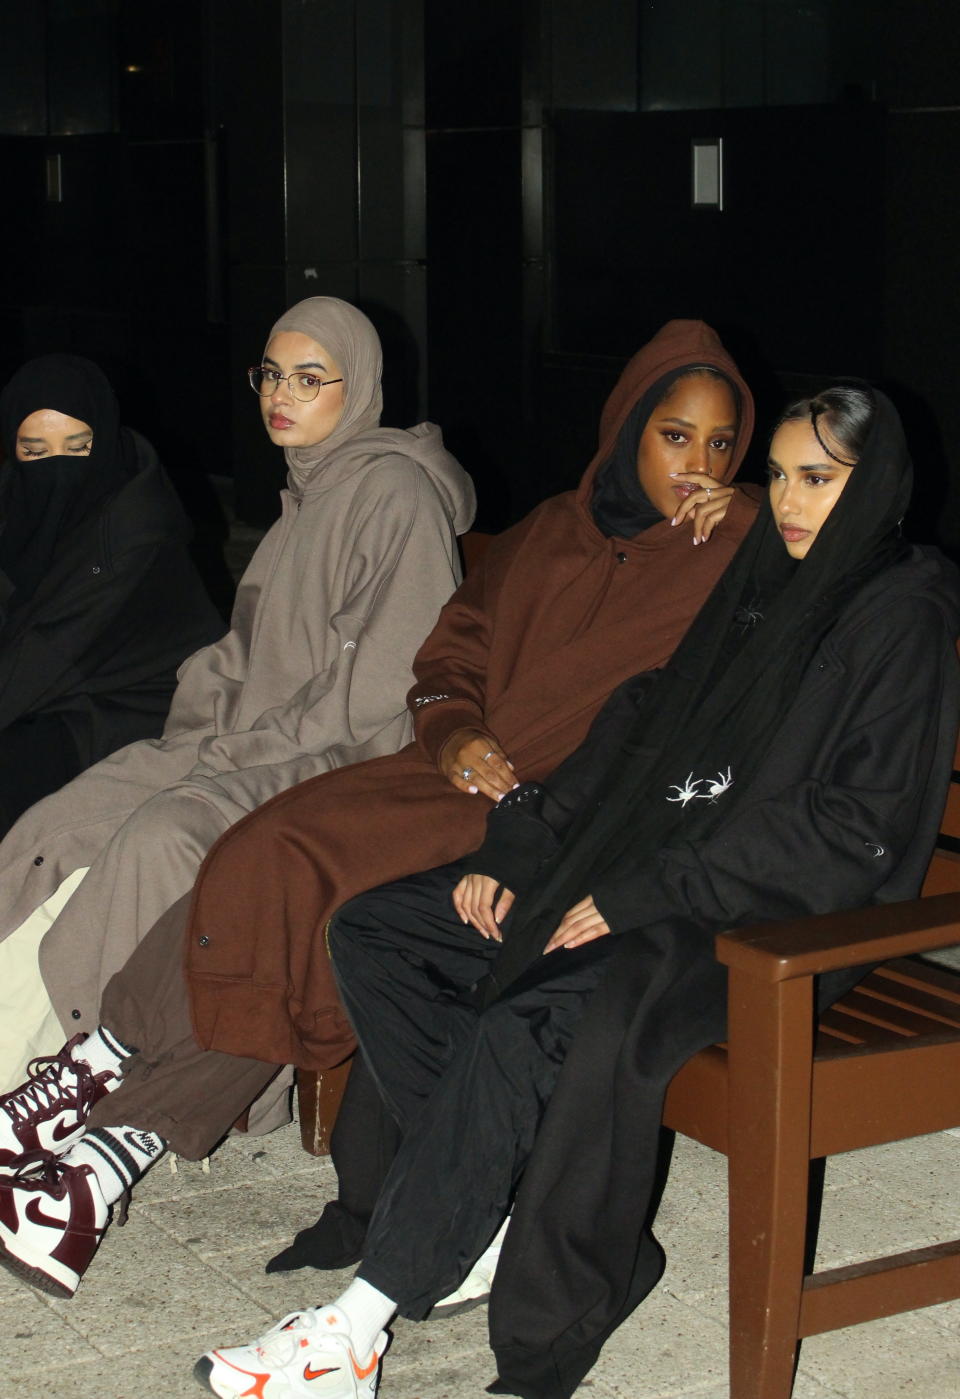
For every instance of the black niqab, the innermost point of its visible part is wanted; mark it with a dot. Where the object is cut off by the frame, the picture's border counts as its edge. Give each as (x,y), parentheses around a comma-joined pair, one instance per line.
(45,499)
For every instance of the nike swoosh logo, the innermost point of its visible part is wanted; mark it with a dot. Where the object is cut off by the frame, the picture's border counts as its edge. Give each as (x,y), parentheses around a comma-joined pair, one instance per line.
(362,1374)
(63,1129)
(34,1212)
(309,1374)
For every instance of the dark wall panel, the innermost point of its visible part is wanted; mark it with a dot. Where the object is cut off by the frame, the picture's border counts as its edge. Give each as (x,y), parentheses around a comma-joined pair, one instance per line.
(798,242)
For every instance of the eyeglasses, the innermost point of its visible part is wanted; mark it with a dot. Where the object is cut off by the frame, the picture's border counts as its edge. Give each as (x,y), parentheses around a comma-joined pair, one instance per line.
(303,386)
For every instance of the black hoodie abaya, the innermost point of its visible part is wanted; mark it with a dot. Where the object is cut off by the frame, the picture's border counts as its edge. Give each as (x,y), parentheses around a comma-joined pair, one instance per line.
(818,757)
(99,600)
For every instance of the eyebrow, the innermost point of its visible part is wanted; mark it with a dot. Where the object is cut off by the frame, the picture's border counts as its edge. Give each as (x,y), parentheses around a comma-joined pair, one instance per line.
(814,466)
(682,422)
(72,437)
(309,364)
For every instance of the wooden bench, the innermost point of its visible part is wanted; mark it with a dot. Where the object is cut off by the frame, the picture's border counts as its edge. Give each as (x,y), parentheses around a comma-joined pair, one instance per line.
(784,1092)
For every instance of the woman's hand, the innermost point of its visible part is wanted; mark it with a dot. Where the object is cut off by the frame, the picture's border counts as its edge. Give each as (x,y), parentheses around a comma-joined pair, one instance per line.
(582,923)
(474,762)
(706,506)
(473,899)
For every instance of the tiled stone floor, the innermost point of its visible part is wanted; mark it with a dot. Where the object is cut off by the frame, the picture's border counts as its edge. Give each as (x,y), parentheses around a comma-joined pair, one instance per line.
(187,1272)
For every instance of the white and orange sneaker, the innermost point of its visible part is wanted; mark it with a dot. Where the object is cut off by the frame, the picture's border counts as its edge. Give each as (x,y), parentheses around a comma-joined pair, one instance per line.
(307,1353)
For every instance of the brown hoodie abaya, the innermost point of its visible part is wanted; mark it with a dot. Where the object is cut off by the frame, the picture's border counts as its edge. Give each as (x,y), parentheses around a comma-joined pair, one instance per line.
(527,649)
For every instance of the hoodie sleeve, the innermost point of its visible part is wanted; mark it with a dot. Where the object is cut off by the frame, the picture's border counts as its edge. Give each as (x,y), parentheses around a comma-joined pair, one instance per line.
(451,665)
(528,825)
(403,566)
(833,839)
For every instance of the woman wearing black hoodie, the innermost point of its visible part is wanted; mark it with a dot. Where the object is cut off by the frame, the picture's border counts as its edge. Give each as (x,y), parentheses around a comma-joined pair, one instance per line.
(791,758)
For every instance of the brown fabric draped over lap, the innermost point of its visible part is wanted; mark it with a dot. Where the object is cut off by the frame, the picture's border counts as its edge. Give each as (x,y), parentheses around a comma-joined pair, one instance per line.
(527,649)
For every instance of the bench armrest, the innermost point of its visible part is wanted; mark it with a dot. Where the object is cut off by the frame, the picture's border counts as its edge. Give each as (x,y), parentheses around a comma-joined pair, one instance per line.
(830,941)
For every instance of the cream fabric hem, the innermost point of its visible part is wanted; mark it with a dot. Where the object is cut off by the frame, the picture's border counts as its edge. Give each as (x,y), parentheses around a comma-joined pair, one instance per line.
(28,1023)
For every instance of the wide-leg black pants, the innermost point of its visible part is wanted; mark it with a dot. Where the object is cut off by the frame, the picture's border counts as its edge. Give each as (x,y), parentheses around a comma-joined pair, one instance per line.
(468,1088)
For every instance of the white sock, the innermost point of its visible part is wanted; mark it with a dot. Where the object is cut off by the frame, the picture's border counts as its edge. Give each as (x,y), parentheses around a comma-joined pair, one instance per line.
(368,1312)
(103,1052)
(118,1156)
(493,1248)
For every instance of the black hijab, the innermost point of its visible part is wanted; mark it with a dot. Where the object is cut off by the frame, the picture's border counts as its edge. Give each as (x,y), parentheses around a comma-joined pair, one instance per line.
(43,500)
(721,698)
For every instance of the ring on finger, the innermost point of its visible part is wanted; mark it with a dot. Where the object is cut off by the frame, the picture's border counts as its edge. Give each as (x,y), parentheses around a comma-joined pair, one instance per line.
(709,490)
(466,774)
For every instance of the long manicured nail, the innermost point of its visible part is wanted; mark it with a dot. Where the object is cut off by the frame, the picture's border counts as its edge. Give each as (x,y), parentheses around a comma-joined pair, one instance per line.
(474,790)
(674,520)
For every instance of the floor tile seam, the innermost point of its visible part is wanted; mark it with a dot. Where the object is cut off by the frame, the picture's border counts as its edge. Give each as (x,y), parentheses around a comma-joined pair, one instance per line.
(191,1192)
(191,1249)
(690,1299)
(173,1336)
(700,1314)
(267,1247)
(686,1391)
(945,1326)
(242,1288)
(59,1307)
(147,1208)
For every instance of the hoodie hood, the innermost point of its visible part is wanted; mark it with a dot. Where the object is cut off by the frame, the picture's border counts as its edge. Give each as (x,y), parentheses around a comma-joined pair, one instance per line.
(422,444)
(678,345)
(923,572)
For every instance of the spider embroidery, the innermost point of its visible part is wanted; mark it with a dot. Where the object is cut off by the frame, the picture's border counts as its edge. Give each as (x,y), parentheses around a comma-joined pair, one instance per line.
(687,792)
(717,787)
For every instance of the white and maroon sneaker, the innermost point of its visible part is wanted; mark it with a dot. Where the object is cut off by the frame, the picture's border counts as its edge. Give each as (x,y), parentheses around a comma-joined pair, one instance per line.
(308,1353)
(48,1112)
(52,1218)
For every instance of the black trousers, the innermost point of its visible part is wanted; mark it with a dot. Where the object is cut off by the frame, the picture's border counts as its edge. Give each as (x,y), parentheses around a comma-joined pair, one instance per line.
(467,1089)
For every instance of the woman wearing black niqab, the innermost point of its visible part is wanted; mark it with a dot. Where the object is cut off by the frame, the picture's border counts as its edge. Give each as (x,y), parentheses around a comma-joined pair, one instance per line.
(99,600)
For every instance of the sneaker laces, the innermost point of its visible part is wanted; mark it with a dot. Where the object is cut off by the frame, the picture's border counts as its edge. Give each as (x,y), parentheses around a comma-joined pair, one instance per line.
(279,1345)
(50,1087)
(41,1168)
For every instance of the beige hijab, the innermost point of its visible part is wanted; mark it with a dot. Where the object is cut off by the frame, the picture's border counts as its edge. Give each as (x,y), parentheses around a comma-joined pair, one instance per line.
(347,334)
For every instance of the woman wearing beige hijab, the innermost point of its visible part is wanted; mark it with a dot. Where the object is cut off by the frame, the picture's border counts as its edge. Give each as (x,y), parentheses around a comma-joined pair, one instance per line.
(311,676)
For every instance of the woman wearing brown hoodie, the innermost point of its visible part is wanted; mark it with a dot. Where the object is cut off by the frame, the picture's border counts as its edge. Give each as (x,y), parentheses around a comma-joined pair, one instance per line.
(594,586)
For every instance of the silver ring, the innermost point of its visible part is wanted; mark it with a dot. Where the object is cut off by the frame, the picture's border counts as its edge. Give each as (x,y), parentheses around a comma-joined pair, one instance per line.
(488,755)
(709,490)
(466,774)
